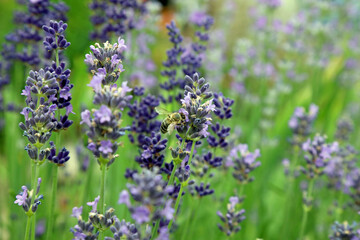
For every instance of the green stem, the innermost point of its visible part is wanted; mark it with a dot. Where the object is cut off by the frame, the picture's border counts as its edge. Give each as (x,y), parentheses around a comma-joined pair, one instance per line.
(290,189)
(52,203)
(177,203)
(27,231)
(34,177)
(155,230)
(306,210)
(57,56)
(192,152)
(102,194)
(33,227)
(102,188)
(172,176)
(242,186)
(171,182)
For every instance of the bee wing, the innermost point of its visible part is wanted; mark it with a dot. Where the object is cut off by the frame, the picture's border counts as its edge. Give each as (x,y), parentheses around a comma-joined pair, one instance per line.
(171,128)
(161,110)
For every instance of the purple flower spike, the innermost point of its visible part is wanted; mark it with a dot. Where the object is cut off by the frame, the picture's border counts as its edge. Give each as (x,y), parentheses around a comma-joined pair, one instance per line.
(106,147)
(94,204)
(21,198)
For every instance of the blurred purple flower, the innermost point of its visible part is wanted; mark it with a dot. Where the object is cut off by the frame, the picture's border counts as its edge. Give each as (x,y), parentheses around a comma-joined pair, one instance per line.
(85,118)
(76,212)
(94,204)
(124,198)
(21,198)
(141,214)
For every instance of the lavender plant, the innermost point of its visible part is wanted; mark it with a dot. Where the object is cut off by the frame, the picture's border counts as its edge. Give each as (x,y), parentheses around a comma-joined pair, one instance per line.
(104,123)
(344,231)
(38,126)
(55,42)
(149,192)
(24,43)
(232,218)
(29,200)
(301,123)
(184,60)
(317,153)
(114,18)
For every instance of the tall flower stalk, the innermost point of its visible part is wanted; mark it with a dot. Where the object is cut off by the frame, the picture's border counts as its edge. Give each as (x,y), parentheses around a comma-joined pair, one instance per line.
(104,122)
(191,123)
(317,154)
(40,89)
(55,42)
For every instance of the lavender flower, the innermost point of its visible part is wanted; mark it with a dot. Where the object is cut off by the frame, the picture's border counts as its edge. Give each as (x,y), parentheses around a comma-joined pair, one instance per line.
(343,130)
(76,212)
(301,123)
(317,155)
(55,39)
(143,113)
(194,119)
(340,167)
(84,230)
(243,162)
(21,198)
(344,231)
(173,58)
(24,43)
(61,158)
(114,18)
(149,192)
(27,37)
(123,230)
(201,190)
(29,200)
(152,151)
(105,62)
(192,59)
(232,218)
(104,127)
(40,113)
(94,204)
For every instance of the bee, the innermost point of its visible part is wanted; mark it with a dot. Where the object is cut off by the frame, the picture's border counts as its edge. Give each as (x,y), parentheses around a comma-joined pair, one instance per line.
(170,122)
